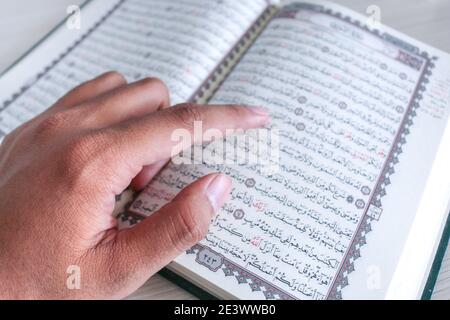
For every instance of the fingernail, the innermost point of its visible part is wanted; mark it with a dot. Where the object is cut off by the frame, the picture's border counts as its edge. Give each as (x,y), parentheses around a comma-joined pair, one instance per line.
(218,190)
(259,111)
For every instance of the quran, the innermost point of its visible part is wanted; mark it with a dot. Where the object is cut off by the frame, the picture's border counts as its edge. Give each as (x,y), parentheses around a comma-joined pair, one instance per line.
(353,205)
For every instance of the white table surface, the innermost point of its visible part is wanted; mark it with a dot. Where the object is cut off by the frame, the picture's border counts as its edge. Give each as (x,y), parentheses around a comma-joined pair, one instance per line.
(24,22)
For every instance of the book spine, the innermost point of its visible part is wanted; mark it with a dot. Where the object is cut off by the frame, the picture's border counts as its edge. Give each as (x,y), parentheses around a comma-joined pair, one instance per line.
(207,89)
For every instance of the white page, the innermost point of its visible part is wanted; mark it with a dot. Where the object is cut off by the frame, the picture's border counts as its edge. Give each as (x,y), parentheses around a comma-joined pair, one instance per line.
(361,115)
(180,42)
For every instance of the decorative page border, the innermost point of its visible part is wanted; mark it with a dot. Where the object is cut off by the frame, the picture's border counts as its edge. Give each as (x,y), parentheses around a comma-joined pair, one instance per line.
(373,209)
(215,261)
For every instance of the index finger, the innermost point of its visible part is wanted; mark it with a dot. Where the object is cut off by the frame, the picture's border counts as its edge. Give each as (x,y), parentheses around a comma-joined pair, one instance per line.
(149,139)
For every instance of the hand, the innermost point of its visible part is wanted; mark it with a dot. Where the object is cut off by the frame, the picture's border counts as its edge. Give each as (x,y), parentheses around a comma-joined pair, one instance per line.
(60,173)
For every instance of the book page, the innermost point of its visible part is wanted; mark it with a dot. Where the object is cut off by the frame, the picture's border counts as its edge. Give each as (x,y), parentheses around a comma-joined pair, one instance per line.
(358,114)
(180,42)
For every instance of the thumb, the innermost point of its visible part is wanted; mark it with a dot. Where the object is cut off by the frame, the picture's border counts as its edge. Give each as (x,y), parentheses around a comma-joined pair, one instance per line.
(176,227)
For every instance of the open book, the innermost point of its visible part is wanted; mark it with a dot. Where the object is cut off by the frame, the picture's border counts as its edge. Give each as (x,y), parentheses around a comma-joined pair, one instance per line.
(355,200)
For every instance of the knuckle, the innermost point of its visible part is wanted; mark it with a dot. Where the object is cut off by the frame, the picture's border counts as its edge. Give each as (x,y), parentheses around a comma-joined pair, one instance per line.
(17,133)
(9,138)
(81,144)
(85,161)
(78,153)
(187,114)
(74,151)
(52,123)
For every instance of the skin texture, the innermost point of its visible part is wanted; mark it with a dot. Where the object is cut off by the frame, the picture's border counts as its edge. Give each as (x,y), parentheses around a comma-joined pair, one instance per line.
(60,172)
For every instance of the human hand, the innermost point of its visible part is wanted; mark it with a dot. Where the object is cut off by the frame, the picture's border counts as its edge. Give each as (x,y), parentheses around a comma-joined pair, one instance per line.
(60,173)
